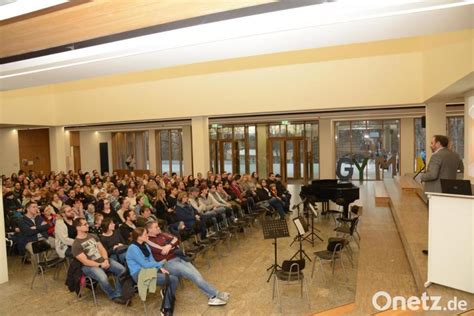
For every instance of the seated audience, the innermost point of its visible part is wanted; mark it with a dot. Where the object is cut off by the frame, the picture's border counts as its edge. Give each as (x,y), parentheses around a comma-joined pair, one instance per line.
(145,217)
(56,203)
(131,198)
(191,220)
(210,205)
(128,226)
(97,228)
(139,257)
(264,195)
(95,261)
(108,212)
(113,241)
(89,214)
(32,228)
(163,210)
(162,248)
(205,216)
(49,217)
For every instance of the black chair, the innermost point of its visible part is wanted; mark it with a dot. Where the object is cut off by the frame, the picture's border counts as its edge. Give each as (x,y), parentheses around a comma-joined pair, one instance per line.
(41,263)
(331,254)
(348,228)
(290,273)
(91,284)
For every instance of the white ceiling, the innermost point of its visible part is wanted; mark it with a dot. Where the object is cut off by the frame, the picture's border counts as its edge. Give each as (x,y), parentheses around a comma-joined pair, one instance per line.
(324,25)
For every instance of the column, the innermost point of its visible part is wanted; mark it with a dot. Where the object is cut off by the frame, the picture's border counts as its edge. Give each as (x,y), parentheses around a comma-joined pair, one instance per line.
(187,151)
(407,149)
(57,149)
(435,123)
(262,151)
(327,150)
(69,153)
(152,149)
(3,248)
(9,159)
(469,136)
(200,144)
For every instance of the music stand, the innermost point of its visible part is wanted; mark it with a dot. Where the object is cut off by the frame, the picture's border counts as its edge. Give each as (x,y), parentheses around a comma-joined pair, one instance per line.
(273,229)
(297,206)
(311,234)
(301,228)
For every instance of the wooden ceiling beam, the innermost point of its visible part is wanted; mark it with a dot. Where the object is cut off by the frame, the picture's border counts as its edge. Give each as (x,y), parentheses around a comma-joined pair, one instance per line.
(92,19)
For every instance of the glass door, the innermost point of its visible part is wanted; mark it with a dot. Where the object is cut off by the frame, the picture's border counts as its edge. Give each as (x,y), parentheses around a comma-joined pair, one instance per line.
(288,158)
(226,150)
(296,159)
(276,156)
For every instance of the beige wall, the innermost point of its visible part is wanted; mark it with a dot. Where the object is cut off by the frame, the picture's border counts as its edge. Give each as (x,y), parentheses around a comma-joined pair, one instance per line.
(407,145)
(90,152)
(369,81)
(33,106)
(10,157)
(447,58)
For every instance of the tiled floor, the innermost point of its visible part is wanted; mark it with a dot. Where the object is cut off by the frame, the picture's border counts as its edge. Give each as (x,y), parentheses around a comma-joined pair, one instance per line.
(241,272)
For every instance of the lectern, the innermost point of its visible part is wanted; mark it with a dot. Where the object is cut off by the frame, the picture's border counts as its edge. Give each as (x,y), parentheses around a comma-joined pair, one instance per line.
(451,241)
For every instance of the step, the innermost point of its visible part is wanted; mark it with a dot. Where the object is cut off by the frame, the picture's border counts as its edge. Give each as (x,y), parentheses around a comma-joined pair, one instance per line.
(397,313)
(407,183)
(341,310)
(381,196)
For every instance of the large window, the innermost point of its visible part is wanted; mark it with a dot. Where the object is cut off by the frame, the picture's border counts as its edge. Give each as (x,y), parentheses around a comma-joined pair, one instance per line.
(125,144)
(366,141)
(170,149)
(233,148)
(294,150)
(455,132)
(420,143)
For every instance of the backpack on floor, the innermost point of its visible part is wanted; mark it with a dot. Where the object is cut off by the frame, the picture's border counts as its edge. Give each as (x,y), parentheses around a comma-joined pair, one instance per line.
(167,291)
(128,287)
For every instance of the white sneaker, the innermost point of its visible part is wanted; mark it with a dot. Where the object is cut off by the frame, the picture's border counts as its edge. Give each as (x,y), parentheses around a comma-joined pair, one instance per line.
(223,296)
(215,301)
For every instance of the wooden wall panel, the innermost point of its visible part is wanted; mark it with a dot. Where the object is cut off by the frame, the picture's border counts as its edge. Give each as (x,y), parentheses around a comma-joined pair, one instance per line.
(34,148)
(104,17)
(74,139)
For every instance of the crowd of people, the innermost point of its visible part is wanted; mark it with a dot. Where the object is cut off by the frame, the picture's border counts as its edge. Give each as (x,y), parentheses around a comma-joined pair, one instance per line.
(129,225)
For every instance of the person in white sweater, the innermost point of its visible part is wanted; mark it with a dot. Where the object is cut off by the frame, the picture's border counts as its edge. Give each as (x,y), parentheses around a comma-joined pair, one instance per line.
(64,231)
(211,205)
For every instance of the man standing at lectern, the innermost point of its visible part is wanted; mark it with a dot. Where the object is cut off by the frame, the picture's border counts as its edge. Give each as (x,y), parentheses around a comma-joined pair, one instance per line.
(443,164)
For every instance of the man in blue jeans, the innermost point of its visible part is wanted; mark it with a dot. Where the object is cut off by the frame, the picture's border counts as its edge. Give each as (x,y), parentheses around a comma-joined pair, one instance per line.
(164,246)
(96,264)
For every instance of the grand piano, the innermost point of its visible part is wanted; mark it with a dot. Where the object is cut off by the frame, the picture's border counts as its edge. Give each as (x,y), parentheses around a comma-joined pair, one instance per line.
(341,193)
